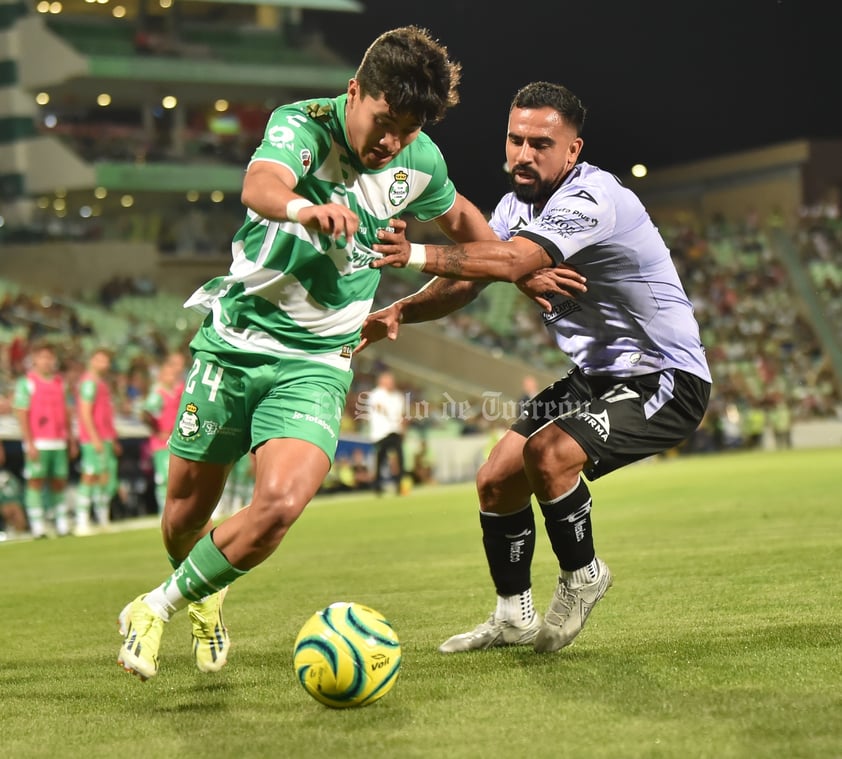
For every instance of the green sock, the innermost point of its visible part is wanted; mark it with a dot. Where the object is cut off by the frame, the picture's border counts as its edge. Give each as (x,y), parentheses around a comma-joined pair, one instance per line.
(35,510)
(205,571)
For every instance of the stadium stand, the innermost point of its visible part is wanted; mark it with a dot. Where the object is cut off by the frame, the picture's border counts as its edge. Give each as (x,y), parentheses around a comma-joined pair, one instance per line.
(129,175)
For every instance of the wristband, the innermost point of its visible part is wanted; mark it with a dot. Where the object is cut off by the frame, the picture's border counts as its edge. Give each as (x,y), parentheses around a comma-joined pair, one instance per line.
(294,206)
(417,256)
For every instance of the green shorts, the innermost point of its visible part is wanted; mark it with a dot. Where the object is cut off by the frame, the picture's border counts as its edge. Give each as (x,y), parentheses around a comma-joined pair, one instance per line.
(228,409)
(50,465)
(92,462)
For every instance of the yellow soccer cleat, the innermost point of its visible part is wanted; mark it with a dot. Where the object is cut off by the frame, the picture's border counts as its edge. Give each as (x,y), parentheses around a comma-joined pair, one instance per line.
(210,636)
(142,630)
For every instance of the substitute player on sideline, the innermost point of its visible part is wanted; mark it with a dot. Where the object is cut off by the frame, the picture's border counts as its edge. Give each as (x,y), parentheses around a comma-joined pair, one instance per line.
(640,384)
(40,404)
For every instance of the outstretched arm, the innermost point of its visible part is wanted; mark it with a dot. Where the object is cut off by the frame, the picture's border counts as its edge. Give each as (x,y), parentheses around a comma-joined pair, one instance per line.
(437,298)
(492,260)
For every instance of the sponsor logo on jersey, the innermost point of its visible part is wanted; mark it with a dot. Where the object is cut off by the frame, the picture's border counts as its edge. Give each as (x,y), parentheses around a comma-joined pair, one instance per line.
(210,427)
(188,424)
(566,221)
(560,310)
(319,422)
(319,111)
(359,256)
(399,189)
(346,351)
(281,137)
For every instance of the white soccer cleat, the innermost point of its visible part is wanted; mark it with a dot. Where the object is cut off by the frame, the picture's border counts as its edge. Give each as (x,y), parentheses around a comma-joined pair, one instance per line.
(493,633)
(569,610)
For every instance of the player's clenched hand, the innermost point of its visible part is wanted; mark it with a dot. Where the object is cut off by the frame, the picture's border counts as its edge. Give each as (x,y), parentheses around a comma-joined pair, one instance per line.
(331,219)
(544,283)
(393,246)
(379,324)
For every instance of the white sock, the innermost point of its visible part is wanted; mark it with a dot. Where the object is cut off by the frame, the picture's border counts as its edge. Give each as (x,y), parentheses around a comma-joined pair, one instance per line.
(166,599)
(36,523)
(102,507)
(62,522)
(83,514)
(517,610)
(584,576)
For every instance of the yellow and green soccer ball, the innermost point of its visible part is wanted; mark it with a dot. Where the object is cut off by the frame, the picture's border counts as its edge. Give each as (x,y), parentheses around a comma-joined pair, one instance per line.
(347,655)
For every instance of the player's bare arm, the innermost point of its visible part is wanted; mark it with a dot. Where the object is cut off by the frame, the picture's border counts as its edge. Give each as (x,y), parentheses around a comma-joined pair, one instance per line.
(464,222)
(437,298)
(492,260)
(268,190)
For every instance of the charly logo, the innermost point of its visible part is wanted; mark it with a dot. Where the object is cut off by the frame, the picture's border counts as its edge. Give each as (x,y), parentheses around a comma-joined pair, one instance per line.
(399,189)
(188,424)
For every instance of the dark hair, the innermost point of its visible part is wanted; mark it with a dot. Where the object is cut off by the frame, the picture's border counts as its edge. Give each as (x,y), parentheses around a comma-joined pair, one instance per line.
(555,96)
(412,72)
(42,345)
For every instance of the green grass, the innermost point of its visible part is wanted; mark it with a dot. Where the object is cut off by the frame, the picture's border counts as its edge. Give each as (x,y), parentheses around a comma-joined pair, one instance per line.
(720,638)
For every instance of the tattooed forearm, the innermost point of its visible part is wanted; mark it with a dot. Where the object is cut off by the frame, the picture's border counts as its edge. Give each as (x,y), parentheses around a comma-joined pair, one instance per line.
(438,298)
(478,261)
(452,258)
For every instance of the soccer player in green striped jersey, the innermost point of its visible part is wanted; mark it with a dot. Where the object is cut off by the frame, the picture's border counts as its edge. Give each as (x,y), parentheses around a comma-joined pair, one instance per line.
(272,360)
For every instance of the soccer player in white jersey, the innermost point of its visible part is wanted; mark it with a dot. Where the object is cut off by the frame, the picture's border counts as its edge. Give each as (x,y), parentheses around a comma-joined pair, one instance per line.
(640,384)
(271,362)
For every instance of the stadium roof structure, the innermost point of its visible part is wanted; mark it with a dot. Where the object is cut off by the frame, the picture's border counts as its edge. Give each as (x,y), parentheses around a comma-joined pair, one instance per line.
(349,6)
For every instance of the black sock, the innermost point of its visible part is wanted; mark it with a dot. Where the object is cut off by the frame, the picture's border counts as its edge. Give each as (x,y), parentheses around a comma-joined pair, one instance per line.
(509,542)
(568,522)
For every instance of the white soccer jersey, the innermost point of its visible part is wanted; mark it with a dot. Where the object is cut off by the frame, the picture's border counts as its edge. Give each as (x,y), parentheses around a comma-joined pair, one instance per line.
(297,293)
(635,318)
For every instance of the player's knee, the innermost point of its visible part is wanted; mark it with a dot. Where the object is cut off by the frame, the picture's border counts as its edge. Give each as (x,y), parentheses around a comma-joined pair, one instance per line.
(489,487)
(179,519)
(551,460)
(273,510)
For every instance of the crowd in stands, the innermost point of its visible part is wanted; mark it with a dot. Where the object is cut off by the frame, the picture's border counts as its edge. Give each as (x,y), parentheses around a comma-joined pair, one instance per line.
(819,244)
(769,367)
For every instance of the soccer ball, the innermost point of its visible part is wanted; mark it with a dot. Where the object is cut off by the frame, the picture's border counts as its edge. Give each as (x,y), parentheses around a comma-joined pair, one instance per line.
(347,655)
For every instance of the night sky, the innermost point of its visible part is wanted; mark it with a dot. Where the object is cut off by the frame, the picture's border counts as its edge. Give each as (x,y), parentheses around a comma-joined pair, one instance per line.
(664,81)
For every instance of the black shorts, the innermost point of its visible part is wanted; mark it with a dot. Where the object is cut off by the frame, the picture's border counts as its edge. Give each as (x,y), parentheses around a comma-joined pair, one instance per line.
(618,420)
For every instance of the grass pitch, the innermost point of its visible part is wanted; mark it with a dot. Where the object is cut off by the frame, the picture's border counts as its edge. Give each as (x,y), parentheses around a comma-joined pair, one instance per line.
(720,638)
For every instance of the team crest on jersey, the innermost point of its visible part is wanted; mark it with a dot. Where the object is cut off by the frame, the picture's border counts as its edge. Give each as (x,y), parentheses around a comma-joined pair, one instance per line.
(399,189)
(566,221)
(319,111)
(189,424)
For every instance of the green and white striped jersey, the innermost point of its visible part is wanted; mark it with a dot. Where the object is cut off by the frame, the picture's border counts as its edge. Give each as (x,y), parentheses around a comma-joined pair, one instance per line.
(292,292)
